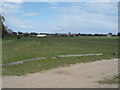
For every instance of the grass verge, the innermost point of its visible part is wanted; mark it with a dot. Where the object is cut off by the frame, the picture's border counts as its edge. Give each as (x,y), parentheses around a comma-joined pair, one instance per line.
(27,48)
(110,80)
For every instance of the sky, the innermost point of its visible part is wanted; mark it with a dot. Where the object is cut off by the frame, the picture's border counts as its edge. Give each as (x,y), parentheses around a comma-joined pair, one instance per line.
(61,17)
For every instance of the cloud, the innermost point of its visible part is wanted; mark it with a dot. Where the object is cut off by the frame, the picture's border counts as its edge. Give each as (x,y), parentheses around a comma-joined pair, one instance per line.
(25,26)
(54,7)
(14,22)
(20,24)
(9,8)
(14,1)
(87,23)
(53,3)
(63,0)
(0,7)
(91,7)
(77,17)
(31,14)
(88,17)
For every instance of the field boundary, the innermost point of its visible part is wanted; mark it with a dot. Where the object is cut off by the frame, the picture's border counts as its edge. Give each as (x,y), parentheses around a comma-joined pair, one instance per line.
(41,58)
(24,61)
(79,55)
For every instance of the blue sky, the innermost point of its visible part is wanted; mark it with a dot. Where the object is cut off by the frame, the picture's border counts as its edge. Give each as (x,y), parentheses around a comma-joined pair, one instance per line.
(62,17)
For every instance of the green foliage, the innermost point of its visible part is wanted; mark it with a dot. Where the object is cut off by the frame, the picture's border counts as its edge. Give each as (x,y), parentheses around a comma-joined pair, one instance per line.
(3,27)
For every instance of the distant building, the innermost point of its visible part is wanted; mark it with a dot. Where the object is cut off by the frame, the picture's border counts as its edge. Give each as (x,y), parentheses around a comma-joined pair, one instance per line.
(41,35)
(109,34)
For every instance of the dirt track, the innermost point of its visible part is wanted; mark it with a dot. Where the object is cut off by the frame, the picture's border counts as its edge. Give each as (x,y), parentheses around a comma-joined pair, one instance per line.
(82,75)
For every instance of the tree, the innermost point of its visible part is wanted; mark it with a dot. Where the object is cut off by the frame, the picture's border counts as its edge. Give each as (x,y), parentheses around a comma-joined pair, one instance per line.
(14,33)
(20,33)
(69,33)
(3,28)
(118,34)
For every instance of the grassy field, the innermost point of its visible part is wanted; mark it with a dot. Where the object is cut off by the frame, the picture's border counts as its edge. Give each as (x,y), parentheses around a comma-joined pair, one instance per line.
(110,80)
(28,48)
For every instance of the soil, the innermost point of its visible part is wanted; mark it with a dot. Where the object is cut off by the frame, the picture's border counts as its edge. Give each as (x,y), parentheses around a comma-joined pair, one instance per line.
(84,75)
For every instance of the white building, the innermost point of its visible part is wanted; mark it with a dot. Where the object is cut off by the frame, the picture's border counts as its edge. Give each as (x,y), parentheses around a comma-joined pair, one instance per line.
(41,35)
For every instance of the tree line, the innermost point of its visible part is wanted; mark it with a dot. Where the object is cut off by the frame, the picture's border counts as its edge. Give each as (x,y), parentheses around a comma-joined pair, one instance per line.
(5,31)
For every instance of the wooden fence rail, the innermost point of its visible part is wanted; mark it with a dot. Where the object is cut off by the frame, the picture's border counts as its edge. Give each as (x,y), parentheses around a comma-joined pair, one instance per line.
(58,56)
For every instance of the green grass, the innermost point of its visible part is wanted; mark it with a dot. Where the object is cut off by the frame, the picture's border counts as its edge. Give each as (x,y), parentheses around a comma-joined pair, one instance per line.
(28,48)
(110,80)
(0,56)
(0,51)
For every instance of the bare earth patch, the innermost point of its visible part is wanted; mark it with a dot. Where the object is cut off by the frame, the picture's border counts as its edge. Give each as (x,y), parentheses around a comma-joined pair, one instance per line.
(82,75)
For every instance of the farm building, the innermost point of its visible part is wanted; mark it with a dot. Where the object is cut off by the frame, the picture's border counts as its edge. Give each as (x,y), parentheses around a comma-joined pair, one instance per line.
(109,34)
(41,35)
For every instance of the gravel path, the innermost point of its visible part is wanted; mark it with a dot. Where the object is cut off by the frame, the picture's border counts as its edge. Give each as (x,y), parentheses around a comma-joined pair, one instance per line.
(82,75)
